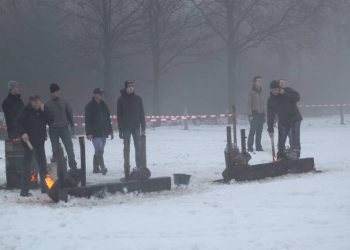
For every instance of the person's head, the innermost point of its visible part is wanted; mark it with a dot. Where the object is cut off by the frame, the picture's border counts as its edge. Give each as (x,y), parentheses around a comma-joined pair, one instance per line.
(129,87)
(14,88)
(257,82)
(282,83)
(275,87)
(98,94)
(55,90)
(35,101)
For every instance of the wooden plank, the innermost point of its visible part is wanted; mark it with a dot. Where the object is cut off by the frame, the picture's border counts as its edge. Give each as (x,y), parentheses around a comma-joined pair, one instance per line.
(144,186)
(273,169)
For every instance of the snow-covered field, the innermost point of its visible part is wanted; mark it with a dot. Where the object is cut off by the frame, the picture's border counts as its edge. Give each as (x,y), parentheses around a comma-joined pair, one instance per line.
(310,211)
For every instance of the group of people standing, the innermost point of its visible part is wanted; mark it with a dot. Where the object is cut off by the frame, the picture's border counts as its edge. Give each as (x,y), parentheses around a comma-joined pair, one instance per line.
(28,123)
(281,107)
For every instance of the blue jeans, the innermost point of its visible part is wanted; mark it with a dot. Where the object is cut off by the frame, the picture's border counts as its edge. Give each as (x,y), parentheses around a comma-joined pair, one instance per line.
(135,133)
(293,131)
(99,145)
(66,138)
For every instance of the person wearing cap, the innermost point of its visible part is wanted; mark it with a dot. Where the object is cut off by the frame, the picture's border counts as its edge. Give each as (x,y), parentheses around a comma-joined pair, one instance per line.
(98,127)
(12,106)
(283,104)
(256,114)
(131,122)
(32,123)
(63,119)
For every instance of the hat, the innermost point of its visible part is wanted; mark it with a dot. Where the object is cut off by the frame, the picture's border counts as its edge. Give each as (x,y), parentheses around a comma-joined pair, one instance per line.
(54,87)
(274,84)
(128,83)
(11,84)
(99,91)
(34,97)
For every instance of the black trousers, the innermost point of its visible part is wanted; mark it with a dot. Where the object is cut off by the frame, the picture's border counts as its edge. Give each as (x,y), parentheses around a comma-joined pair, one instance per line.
(293,132)
(38,153)
(256,128)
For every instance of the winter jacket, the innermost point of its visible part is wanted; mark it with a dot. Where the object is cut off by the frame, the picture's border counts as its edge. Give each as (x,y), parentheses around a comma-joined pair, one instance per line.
(12,106)
(285,107)
(62,112)
(97,119)
(33,122)
(256,102)
(130,112)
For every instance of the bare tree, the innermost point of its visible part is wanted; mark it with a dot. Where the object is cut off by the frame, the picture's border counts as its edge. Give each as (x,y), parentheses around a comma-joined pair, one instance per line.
(104,26)
(245,24)
(172,32)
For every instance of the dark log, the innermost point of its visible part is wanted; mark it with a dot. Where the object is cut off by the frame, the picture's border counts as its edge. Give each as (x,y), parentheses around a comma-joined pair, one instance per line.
(273,169)
(234,119)
(144,186)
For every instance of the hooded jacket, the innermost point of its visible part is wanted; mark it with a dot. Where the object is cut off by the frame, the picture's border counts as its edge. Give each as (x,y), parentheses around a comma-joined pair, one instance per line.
(97,119)
(33,122)
(62,112)
(285,107)
(130,111)
(12,106)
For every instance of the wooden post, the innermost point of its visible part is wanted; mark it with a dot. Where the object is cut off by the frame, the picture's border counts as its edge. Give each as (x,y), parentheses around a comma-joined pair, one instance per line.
(61,164)
(185,121)
(234,119)
(83,160)
(243,142)
(143,151)
(341,115)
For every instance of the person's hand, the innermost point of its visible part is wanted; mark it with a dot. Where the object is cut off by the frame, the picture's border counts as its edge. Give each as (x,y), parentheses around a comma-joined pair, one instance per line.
(250,117)
(89,137)
(281,91)
(72,131)
(143,132)
(25,137)
(121,136)
(271,134)
(112,136)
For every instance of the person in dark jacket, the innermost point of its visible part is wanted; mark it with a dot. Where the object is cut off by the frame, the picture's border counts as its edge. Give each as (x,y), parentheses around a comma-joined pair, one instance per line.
(59,129)
(131,122)
(256,114)
(98,127)
(32,123)
(12,106)
(283,103)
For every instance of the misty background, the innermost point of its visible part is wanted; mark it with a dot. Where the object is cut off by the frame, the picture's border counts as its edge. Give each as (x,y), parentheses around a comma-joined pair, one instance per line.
(199,54)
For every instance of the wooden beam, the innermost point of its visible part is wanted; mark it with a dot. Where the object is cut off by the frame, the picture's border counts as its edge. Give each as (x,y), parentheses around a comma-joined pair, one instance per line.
(273,169)
(144,186)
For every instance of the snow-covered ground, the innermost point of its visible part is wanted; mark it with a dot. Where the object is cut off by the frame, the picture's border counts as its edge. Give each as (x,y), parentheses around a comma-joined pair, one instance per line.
(309,211)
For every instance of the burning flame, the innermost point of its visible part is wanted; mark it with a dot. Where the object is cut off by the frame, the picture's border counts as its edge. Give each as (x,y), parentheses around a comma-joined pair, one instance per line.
(49,181)
(274,158)
(33,177)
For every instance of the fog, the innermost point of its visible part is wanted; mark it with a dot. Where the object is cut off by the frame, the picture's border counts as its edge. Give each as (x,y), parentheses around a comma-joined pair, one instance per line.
(181,54)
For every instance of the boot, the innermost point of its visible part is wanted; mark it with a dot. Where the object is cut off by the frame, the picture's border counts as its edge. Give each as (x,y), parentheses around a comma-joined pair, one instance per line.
(96,169)
(101,162)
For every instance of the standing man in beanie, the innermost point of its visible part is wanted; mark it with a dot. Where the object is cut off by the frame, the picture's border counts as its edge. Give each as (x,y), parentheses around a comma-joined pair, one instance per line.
(12,106)
(59,129)
(131,122)
(283,103)
(256,115)
(32,123)
(98,127)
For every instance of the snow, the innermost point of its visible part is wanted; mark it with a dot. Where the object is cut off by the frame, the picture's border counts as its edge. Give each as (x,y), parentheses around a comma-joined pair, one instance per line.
(305,211)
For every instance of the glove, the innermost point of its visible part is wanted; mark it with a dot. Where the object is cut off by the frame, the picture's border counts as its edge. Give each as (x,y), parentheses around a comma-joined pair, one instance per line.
(143,132)
(121,136)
